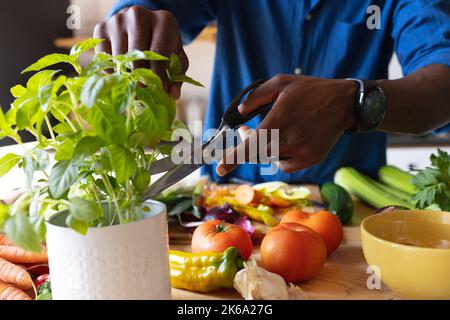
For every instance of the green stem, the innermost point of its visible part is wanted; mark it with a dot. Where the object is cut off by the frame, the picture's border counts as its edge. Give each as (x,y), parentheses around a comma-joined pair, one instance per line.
(50,129)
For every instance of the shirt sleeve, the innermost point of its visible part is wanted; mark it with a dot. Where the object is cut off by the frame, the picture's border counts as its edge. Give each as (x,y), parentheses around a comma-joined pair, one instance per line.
(421,32)
(192,15)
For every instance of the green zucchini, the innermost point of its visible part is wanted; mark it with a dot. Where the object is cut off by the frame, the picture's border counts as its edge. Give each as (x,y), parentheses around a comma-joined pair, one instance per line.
(338,200)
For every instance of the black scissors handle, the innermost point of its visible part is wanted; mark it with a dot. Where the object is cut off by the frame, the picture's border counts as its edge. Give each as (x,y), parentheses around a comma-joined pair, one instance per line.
(232,117)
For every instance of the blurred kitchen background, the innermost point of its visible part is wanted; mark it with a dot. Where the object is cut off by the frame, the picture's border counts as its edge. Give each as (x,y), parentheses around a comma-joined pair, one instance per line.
(31,29)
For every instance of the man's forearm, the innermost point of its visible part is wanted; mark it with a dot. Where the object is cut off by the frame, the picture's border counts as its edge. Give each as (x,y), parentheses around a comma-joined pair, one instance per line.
(418,103)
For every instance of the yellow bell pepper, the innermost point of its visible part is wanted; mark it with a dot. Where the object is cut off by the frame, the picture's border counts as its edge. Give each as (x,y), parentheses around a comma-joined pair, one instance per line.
(204,271)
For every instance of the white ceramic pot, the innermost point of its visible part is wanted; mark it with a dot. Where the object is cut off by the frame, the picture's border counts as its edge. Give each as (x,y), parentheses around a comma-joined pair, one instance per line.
(128,261)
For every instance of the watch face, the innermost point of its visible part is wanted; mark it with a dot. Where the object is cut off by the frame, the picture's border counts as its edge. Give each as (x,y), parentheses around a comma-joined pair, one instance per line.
(374,108)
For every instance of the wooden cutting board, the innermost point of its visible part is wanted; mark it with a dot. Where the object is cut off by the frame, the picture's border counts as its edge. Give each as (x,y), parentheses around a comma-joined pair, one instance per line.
(181,235)
(344,276)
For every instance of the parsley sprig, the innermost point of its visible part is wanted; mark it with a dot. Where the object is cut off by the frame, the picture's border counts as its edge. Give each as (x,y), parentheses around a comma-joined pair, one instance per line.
(433,183)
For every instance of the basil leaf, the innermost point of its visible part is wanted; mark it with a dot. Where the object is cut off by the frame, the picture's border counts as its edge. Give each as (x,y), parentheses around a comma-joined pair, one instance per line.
(86,147)
(49,60)
(136,55)
(40,79)
(65,150)
(122,161)
(97,86)
(7,162)
(18,91)
(84,46)
(20,231)
(141,179)
(147,77)
(184,78)
(107,123)
(84,210)
(175,65)
(62,176)
(77,225)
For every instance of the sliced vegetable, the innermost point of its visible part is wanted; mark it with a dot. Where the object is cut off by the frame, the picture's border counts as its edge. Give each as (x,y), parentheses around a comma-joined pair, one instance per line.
(245,194)
(269,187)
(277,201)
(365,189)
(292,194)
(397,178)
(339,201)
(262,213)
(204,271)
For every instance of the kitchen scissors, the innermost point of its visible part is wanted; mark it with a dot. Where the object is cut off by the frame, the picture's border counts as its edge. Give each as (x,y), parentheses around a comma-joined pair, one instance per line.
(231,119)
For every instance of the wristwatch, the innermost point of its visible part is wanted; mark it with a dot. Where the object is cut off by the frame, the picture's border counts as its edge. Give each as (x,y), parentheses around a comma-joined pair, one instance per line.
(370,106)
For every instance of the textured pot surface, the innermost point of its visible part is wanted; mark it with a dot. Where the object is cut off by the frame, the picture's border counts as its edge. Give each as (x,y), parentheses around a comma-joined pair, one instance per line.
(128,261)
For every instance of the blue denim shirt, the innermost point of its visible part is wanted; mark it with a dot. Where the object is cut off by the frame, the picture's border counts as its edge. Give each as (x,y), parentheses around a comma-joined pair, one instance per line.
(324,38)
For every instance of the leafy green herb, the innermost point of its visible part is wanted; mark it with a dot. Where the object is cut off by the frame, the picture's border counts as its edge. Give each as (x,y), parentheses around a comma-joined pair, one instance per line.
(105,120)
(44,291)
(433,183)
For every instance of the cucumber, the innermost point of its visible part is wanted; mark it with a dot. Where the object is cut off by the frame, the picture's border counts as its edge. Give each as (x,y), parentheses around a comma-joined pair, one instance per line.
(338,200)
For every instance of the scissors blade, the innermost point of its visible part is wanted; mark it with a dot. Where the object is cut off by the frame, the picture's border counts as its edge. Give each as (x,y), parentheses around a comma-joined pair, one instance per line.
(174,175)
(162,165)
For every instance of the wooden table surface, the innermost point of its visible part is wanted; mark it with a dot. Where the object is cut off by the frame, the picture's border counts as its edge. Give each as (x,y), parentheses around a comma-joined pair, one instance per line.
(344,275)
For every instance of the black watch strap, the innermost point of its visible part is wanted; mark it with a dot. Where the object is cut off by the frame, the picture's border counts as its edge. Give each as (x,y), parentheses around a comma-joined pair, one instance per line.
(360,108)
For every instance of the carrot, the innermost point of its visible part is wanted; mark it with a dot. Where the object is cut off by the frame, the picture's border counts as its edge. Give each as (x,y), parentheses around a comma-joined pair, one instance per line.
(18,255)
(11,292)
(245,194)
(4,241)
(16,275)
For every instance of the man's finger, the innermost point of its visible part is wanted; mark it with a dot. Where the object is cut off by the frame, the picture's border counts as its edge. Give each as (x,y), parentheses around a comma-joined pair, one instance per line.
(264,94)
(138,38)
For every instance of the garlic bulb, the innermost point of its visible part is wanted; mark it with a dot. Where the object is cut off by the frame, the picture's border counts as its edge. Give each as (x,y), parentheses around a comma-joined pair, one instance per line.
(256,283)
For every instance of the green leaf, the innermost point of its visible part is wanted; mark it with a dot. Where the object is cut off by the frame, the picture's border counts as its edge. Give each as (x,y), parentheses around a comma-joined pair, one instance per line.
(77,225)
(96,87)
(65,150)
(161,104)
(107,123)
(147,77)
(62,128)
(8,162)
(84,210)
(100,62)
(47,93)
(40,79)
(27,113)
(62,176)
(122,162)
(184,78)
(141,179)
(18,91)
(136,55)
(84,46)
(49,60)
(87,146)
(3,215)
(20,231)
(175,65)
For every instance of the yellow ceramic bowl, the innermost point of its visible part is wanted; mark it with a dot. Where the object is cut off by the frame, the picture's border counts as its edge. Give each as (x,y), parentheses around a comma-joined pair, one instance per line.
(412,250)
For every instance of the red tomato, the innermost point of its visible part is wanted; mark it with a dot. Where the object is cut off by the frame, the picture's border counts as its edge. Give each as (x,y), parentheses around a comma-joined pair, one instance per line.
(323,222)
(217,236)
(295,252)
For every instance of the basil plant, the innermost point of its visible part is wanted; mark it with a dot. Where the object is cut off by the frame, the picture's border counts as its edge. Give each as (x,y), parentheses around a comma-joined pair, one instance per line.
(110,121)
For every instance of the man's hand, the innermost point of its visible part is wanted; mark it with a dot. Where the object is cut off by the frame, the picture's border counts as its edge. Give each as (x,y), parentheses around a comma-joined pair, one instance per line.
(137,28)
(311,114)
